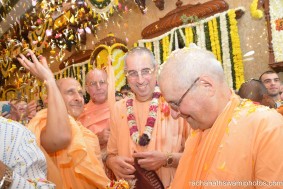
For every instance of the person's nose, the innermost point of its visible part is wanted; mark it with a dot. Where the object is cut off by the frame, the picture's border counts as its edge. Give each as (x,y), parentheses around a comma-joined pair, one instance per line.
(175,114)
(140,77)
(98,86)
(78,97)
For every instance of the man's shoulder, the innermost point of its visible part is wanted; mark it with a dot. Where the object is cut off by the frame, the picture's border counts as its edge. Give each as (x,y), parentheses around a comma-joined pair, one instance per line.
(13,131)
(258,115)
(11,125)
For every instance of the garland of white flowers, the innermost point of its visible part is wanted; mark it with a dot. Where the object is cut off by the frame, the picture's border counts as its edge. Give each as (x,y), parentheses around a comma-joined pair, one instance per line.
(195,32)
(276,14)
(226,61)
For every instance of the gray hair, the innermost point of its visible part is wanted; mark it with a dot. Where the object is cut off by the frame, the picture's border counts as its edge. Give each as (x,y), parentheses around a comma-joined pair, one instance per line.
(189,63)
(140,51)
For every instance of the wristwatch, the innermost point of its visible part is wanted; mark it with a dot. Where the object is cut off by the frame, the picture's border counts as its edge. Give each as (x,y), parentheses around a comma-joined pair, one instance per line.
(169,160)
(7,178)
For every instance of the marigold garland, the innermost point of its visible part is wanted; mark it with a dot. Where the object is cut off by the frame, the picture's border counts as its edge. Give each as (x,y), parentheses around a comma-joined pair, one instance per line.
(189,36)
(148,45)
(119,184)
(255,12)
(211,36)
(165,44)
(144,139)
(222,38)
(216,38)
(236,49)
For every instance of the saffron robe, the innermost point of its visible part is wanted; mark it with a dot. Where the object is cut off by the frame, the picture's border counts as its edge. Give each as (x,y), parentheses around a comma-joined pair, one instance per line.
(168,135)
(243,145)
(80,164)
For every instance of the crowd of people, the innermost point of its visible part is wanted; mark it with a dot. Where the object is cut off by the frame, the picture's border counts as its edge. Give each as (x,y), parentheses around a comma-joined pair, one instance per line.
(173,129)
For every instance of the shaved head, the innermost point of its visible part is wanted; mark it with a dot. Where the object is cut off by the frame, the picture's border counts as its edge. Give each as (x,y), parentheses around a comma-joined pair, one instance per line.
(96,71)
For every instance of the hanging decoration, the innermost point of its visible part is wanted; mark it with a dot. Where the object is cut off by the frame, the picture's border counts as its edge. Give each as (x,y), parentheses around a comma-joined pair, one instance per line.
(39,37)
(218,33)
(102,9)
(57,26)
(54,26)
(77,71)
(255,12)
(276,24)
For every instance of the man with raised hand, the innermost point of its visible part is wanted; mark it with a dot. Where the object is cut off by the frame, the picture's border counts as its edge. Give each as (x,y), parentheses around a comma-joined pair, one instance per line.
(72,151)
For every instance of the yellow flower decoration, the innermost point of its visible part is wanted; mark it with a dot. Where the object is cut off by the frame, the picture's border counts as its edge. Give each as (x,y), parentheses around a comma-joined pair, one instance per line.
(255,13)
(148,45)
(165,43)
(188,35)
(236,49)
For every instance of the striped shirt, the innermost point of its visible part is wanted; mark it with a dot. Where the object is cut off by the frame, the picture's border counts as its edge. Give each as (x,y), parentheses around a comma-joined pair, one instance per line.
(19,151)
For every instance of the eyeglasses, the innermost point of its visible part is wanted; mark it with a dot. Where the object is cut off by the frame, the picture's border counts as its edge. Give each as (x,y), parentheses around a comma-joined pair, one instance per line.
(97,83)
(134,74)
(174,105)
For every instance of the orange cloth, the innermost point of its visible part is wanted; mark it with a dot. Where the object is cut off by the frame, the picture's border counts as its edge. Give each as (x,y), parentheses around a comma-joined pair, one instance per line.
(168,135)
(244,144)
(280,109)
(95,117)
(80,164)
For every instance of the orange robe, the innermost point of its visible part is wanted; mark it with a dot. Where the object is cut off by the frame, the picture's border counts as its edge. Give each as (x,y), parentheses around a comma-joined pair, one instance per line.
(95,117)
(168,135)
(280,109)
(244,144)
(80,163)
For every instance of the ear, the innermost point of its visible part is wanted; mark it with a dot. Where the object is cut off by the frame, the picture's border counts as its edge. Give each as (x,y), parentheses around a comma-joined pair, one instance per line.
(209,85)
(86,88)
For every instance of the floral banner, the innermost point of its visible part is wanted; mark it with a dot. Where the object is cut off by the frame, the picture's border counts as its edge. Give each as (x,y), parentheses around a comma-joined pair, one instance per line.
(276,23)
(218,33)
(77,71)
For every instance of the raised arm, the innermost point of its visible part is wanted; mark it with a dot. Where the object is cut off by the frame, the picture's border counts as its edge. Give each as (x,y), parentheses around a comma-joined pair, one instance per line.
(57,133)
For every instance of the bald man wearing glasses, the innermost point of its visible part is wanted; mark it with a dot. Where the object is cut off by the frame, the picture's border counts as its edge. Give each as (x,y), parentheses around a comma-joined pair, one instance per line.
(141,125)
(233,141)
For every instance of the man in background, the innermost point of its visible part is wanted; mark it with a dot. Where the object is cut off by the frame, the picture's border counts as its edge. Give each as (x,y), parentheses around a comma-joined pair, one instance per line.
(96,115)
(271,81)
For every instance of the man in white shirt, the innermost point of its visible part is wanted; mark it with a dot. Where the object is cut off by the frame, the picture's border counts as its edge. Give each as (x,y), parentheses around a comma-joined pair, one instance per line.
(22,164)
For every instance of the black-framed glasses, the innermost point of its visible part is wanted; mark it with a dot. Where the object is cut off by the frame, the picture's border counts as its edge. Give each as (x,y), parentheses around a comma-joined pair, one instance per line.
(176,105)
